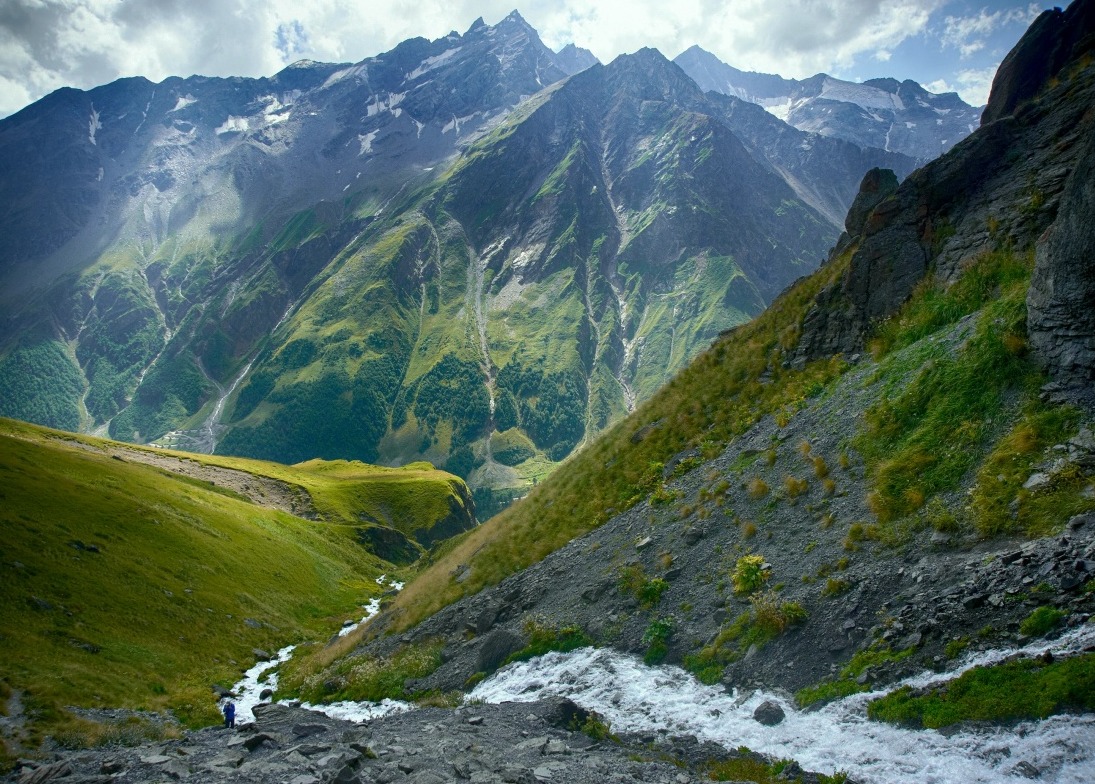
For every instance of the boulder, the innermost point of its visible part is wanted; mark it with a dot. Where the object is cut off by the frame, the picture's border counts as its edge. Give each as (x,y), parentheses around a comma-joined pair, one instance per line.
(494,649)
(769,713)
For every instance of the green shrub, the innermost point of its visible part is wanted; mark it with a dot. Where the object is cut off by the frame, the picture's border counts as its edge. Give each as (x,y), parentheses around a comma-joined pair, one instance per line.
(545,637)
(634,582)
(656,638)
(1042,621)
(1023,689)
(922,439)
(750,574)
(772,616)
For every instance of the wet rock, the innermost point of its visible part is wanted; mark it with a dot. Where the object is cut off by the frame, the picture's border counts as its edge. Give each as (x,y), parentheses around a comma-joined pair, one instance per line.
(769,713)
(260,654)
(495,647)
(555,747)
(257,740)
(692,535)
(227,759)
(974,601)
(1026,770)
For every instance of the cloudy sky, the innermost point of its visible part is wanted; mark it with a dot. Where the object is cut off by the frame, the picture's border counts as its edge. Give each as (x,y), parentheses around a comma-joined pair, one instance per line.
(943,44)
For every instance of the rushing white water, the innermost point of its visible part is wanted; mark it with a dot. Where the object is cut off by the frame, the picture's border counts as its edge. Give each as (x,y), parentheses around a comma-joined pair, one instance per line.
(247,691)
(371,609)
(634,697)
(264,676)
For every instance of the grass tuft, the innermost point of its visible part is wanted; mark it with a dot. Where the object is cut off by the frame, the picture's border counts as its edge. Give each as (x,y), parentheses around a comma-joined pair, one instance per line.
(1023,689)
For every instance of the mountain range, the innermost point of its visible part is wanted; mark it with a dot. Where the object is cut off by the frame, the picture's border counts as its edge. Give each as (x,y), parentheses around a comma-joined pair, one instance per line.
(473,251)
(860,526)
(885,113)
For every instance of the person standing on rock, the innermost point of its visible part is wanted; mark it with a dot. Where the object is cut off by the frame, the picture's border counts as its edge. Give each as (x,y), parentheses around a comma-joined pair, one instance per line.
(230,715)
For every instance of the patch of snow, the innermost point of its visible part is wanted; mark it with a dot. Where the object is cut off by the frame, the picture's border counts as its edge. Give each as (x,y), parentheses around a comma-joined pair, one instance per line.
(910,124)
(366,142)
(940,111)
(93,124)
(234,125)
(455,123)
(100,177)
(345,73)
(183,102)
(432,62)
(860,94)
(419,126)
(779,107)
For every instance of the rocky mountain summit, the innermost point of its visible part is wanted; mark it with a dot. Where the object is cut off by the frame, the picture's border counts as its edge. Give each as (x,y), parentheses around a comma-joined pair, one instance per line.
(883,113)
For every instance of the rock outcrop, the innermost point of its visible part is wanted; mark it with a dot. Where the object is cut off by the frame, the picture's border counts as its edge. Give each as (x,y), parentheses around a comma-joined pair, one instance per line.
(1061,301)
(1056,39)
(999,188)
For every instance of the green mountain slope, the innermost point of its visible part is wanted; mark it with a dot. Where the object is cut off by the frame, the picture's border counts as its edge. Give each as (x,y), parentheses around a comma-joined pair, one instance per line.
(944,438)
(568,264)
(138,578)
(446,246)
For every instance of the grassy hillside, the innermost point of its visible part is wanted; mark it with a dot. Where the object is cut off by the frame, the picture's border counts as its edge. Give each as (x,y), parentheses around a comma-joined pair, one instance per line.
(739,380)
(940,423)
(125,584)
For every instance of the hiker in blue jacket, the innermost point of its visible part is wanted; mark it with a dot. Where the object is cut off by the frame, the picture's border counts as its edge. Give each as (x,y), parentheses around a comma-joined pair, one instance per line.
(230,715)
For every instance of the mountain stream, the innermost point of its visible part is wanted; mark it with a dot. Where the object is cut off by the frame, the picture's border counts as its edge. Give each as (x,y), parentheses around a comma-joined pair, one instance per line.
(634,697)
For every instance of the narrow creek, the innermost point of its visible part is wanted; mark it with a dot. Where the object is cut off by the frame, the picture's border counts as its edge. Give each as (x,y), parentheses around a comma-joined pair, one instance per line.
(667,700)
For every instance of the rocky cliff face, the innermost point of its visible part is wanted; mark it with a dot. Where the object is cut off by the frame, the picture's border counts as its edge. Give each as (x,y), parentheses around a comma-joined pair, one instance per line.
(1056,40)
(1001,187)
(1061,303)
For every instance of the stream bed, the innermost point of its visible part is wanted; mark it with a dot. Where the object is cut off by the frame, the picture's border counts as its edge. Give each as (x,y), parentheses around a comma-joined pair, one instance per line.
(667,700)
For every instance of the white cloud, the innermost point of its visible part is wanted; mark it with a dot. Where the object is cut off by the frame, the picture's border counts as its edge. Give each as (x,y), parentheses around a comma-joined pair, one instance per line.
(968,34)
(45,44)
(883,55)
(973,85)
